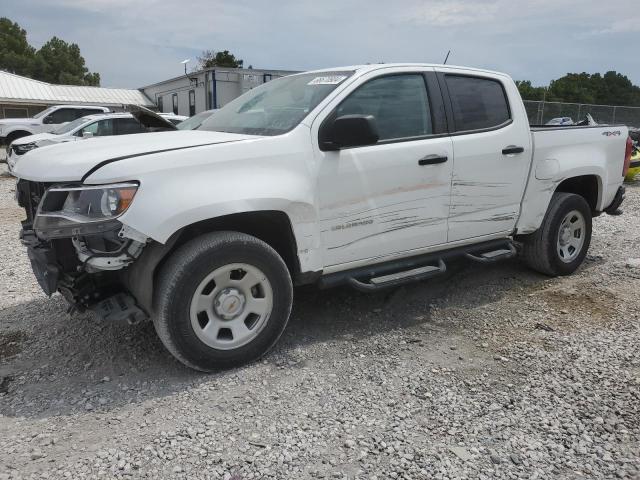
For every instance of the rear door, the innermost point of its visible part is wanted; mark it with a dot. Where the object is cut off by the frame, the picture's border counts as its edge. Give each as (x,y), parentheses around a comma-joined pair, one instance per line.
(492,148)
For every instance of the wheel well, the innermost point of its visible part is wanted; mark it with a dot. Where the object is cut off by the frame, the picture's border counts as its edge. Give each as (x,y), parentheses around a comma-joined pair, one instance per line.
(270,226)
(587,186)
(16,134)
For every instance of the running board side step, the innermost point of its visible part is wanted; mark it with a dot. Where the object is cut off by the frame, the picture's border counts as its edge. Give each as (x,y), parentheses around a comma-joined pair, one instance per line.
(494,255)
(399,278)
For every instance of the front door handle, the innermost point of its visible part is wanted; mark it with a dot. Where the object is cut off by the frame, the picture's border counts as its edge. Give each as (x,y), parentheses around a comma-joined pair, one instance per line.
(433,159)
(511,149)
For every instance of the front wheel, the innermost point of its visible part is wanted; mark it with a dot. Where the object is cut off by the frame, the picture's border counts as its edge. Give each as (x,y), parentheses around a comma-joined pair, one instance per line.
(559,246)
(223,300)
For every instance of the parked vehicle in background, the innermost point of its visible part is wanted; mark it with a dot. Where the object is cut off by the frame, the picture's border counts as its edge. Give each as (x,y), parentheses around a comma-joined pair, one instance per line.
(196,120)
(560,121)
(46,121)
(634,166)
(371,176)
(98,125)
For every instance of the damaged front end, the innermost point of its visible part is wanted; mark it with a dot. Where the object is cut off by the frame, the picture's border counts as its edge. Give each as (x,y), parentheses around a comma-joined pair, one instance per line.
(78,247)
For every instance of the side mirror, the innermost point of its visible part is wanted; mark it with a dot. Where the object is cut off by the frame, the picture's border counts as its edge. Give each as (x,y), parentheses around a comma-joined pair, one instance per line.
(350,131)
(48,120)
(87,134)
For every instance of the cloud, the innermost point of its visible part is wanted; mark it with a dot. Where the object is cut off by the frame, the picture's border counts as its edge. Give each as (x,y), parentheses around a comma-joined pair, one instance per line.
(137,43)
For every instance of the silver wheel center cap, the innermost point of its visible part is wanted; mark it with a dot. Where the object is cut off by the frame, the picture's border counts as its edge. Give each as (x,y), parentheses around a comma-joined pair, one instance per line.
(229,303)
(565,236)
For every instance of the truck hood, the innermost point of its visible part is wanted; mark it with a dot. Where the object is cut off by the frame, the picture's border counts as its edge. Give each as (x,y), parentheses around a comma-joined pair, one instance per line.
(70,162)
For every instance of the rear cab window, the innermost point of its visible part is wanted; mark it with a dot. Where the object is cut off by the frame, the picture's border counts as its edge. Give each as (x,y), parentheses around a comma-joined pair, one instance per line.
(477,103)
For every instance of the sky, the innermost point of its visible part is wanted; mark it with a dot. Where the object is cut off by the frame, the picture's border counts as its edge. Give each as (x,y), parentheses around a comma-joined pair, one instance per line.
(133,43)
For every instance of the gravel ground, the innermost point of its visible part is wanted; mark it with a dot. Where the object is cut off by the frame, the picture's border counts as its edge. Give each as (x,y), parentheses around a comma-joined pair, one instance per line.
(487,372)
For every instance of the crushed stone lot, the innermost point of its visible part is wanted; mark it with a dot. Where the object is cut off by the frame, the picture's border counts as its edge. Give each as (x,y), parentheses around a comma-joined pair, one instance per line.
(486,372)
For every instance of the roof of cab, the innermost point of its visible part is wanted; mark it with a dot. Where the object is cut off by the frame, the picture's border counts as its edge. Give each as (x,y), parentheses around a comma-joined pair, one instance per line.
(378,66)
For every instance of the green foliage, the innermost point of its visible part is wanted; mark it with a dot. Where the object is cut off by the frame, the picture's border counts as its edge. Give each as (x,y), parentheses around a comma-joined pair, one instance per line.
(56,62)
(60,62)
(16,55)
(529,92)
(612,88)
(212,58)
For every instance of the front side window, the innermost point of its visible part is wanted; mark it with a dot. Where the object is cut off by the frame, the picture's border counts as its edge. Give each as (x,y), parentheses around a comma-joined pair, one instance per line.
(62,115)
(100,128)
(275,107)
(478,103)
(399,104)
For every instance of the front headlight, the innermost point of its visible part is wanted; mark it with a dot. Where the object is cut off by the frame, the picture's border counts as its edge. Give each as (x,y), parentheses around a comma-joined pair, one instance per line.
(23,148)
(67,211)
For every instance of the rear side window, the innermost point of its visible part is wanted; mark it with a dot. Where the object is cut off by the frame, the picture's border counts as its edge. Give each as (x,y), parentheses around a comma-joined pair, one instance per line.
(88,111)
(126,126)
(399,103)
(477,103)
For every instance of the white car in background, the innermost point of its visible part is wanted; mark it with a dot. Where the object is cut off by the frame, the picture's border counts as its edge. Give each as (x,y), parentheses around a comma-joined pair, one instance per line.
(45,121)
(99,125)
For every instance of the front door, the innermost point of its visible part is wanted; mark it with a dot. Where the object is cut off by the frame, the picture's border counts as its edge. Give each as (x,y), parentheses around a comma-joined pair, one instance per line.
(386,199)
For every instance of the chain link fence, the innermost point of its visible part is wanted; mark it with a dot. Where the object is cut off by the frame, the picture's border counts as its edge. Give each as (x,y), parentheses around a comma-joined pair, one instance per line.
(540,112)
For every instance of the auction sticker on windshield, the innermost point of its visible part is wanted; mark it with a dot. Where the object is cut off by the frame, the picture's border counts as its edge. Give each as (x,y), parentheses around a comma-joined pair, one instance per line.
(328,80)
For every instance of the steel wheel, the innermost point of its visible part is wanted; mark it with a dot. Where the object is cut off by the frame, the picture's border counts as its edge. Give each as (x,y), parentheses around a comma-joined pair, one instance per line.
(231,306)
(571,235)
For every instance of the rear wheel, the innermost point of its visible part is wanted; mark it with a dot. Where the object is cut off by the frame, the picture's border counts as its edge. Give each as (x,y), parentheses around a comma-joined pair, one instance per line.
(223,300)
(559,246)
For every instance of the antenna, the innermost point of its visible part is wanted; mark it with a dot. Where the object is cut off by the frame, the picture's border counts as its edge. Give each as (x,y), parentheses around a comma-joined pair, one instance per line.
(184,62)
(445,58)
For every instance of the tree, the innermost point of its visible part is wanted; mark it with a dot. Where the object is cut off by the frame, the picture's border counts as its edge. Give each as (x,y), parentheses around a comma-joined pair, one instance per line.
(612,88)
(210,58)
(60,62)
(529,92)
(16,55)
(56,62)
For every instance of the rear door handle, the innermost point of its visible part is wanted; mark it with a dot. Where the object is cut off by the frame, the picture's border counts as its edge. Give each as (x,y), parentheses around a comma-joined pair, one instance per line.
(511,149)
(433,159)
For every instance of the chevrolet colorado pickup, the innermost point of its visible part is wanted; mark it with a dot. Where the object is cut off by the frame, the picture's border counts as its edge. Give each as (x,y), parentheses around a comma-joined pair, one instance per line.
(370,176)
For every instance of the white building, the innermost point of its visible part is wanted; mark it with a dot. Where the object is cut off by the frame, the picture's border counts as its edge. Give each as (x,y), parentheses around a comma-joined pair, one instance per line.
(24,97)
(206,89)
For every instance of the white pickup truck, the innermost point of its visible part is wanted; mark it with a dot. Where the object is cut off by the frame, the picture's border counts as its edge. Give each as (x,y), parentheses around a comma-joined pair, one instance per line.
(47,120)
(371,176)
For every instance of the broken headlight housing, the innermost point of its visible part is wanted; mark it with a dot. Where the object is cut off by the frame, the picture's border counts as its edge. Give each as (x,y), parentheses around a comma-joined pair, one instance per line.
(73,210)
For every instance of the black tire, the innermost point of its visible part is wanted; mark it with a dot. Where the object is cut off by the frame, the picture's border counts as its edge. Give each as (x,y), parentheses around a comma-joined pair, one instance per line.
(540,250)
(16,135)
(187,268)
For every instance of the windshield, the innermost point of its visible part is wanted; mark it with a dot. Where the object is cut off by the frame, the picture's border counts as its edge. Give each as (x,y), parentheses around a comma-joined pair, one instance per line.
(194,122)
(44,112)
(67,127)
(275,107)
